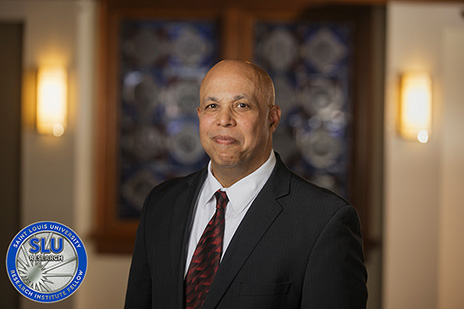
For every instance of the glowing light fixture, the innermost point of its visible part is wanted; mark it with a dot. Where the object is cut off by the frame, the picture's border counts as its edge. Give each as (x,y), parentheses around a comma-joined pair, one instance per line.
(415,114)
(52,95)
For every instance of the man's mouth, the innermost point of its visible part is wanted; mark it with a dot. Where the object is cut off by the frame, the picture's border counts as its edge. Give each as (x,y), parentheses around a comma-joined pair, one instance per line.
(224,140)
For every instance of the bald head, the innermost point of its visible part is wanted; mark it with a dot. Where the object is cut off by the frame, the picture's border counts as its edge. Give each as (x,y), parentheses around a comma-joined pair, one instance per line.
(262,81)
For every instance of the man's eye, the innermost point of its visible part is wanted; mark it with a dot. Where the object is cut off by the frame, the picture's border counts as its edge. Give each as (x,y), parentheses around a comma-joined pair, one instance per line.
(211,106)
(242,105)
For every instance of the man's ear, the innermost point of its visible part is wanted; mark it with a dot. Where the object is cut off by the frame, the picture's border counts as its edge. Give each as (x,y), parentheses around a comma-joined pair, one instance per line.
(274,117)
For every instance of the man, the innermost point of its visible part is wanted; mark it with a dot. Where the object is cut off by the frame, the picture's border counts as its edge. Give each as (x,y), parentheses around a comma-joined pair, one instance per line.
(245,232)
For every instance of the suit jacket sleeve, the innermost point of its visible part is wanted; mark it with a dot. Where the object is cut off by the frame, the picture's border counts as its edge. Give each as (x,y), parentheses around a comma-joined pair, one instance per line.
(139,285)
(335,275)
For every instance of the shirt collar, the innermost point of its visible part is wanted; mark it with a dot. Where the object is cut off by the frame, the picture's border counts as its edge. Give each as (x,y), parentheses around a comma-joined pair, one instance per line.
(242,192)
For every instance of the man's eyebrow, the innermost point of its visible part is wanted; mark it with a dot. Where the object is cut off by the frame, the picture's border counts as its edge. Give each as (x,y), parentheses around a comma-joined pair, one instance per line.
(251,100)
(207,99)
(240,97)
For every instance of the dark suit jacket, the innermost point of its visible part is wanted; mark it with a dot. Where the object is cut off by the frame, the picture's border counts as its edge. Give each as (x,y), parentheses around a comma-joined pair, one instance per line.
(299,246)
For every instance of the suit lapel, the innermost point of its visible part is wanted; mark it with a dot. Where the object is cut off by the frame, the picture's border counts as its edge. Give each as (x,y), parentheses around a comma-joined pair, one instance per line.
(262,213)
(181,222)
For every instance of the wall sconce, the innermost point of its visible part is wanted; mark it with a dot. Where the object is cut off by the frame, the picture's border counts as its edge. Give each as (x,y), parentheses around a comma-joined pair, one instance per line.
(52,95)
(415,112)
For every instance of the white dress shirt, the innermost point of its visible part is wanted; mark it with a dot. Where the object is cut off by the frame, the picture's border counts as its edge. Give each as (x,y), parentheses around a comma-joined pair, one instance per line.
(241,195)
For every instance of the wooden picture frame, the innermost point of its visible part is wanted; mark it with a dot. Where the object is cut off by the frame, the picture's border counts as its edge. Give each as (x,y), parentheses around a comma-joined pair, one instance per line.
(116,235)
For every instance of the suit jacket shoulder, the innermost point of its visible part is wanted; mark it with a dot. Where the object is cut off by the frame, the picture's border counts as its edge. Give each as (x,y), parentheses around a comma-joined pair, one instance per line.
(162,196)
(297,193)
(156,276)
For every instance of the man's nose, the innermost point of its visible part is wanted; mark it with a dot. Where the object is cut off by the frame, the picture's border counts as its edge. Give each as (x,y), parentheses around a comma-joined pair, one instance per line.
(226,118)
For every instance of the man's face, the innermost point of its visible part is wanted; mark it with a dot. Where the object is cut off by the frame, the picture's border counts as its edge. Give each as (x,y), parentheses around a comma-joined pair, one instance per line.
(236,123)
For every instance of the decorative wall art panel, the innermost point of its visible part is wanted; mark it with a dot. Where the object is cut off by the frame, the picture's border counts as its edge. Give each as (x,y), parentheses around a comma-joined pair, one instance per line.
(161,66)
(310,64)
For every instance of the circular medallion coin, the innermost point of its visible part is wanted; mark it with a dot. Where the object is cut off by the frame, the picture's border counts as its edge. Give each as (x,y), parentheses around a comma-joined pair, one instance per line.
(46,262)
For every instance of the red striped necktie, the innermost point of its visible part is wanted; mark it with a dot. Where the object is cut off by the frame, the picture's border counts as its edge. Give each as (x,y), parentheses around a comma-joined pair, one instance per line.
(207,256)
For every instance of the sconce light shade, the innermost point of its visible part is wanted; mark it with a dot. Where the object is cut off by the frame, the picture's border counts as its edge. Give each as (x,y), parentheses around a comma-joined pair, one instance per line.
(415,117)
(52,94)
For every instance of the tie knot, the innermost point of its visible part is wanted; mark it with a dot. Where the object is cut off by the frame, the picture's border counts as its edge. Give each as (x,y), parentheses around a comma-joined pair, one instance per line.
(221,199)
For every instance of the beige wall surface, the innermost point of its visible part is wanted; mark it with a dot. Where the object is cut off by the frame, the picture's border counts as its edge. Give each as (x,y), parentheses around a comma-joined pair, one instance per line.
(47,176)
(415,173)
(451,257)
(57,173)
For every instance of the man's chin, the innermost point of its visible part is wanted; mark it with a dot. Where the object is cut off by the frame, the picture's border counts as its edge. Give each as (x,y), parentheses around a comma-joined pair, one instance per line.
(226,164)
